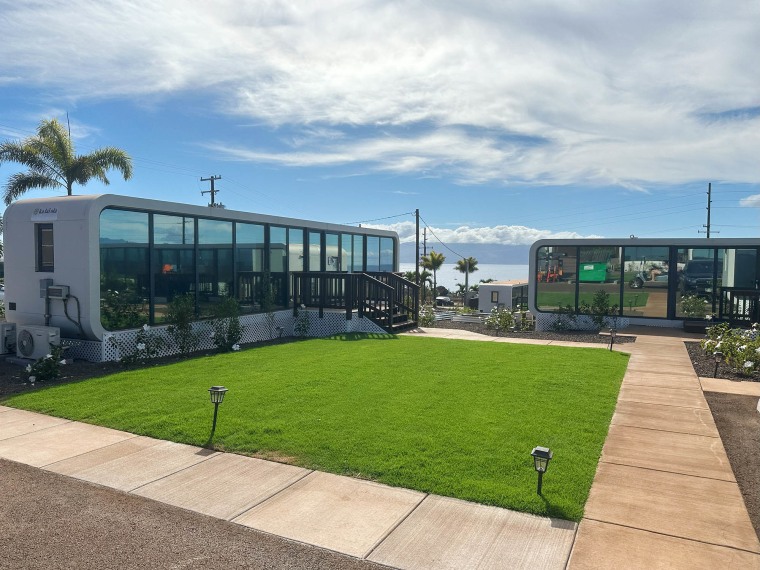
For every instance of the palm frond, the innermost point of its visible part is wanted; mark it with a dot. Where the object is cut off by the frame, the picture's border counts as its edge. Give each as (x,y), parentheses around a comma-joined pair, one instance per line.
(22,182)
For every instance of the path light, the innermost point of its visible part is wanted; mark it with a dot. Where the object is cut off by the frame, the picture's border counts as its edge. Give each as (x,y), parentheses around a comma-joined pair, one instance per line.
(613,334)
(718,359)
(217,397)
(541,458)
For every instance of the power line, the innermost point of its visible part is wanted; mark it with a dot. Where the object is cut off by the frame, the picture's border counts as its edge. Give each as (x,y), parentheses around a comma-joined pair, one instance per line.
(379,219)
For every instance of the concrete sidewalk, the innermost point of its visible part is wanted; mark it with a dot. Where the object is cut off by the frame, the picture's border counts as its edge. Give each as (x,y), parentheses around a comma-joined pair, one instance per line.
(396,527)
(664,495)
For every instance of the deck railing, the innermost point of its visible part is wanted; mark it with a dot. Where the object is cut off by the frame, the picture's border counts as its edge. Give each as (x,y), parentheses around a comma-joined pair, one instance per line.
(739,306)
(385,298)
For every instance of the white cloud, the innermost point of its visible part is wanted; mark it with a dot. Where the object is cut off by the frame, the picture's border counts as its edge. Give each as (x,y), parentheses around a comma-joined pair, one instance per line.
(549,93)
(750,201)
(502,235)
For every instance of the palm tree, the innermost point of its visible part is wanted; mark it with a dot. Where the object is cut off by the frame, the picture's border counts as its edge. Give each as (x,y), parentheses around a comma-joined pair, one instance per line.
(53,162)
(467,265)
(433,262)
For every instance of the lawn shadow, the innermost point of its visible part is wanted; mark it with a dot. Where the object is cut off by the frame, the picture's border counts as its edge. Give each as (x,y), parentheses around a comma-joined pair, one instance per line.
(362,336)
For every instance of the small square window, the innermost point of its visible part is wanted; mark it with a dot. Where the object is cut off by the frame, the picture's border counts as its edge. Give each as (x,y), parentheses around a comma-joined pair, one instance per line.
(44,238)
(494,296)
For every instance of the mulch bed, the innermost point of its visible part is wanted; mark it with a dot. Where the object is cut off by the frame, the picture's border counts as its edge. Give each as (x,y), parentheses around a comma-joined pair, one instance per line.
(573,336)
(704,365)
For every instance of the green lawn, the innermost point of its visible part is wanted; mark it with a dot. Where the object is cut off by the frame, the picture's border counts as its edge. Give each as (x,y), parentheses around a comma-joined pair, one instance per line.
(562,298)
(455,418)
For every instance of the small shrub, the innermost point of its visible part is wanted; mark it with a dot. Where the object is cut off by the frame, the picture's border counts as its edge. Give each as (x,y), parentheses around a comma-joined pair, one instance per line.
(599,309)
(740,347)
(303,322)
(181,313)
(226,324)
(693,306)
(48,367)
(427,316)
(500,319)
(120,310)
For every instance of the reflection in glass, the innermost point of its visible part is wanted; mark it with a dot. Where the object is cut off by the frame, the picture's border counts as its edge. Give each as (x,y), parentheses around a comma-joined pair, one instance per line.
(124,272)
(295,248)
(173,230)
(315,251)
(556,278)
(358,263)
(647,275)
(373,253)
(346,243)
(278,249)
(386,254)
(250,247)
(214,232)
(599,270)
(332,255)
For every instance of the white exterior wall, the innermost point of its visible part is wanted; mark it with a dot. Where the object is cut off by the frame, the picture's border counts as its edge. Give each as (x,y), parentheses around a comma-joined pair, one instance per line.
(484,296)
(76,263)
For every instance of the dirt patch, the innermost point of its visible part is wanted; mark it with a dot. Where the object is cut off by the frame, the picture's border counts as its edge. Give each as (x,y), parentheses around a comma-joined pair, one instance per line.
(738,423)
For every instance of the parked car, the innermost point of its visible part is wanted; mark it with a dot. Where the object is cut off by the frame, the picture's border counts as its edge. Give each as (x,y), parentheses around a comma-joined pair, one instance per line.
(697,276)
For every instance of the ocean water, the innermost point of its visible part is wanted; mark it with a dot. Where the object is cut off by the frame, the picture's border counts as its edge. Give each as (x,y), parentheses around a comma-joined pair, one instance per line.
(448,276)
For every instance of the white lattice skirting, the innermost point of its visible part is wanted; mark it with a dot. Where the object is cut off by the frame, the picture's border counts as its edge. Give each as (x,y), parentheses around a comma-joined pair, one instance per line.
(256,328)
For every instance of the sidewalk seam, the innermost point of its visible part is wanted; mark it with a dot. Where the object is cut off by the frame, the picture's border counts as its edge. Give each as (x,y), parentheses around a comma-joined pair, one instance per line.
(393,528)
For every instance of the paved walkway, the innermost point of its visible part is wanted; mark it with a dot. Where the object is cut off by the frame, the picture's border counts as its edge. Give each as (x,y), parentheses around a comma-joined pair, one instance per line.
(664,494)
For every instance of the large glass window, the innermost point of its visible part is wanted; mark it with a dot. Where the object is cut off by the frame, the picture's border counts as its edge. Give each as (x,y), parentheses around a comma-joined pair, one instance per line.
(173,261)
(556,278)
(124,271)
(647,275)
(358,265)
(250,247)
(214,263)
(173,230)
(599,275)
(315,251)
(295,248)
(250,264)
(332,255)
(278,249)
(346,246)
(386,254)
(373,253)
(278,263)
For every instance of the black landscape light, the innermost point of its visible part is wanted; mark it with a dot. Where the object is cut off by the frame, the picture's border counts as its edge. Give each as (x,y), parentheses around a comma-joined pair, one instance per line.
(613,335)
(217,397)
(541,458)
(718,359)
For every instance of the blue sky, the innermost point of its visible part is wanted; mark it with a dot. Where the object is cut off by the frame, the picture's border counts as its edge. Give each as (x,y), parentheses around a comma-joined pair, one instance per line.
(503,122)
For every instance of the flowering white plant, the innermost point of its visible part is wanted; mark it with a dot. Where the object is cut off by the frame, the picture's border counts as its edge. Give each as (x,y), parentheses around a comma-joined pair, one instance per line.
(235,347)
(140,346)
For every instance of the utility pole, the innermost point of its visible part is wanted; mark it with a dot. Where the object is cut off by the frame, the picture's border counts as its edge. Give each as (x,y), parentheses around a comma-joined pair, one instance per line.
(417,249)
(213,191)
(709,203)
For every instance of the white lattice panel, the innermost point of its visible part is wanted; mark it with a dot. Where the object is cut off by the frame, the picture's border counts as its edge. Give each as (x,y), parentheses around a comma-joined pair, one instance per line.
(256,328)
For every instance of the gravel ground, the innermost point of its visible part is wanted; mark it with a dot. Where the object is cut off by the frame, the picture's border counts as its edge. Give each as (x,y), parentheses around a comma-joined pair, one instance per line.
(48,521)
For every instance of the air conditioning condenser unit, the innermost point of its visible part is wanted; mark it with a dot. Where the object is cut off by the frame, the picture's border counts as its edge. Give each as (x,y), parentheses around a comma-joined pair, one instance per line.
(34,341)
